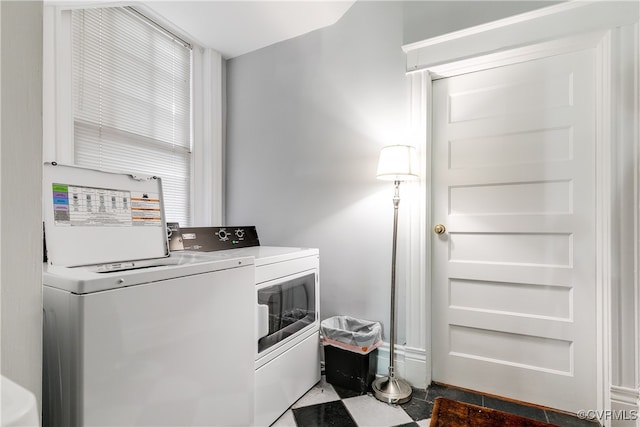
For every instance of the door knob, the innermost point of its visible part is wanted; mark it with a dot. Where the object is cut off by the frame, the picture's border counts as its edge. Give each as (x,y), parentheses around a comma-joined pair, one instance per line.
(439,229)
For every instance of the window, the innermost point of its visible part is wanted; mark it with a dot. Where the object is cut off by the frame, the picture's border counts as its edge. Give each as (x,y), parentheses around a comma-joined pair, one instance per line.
(131,101)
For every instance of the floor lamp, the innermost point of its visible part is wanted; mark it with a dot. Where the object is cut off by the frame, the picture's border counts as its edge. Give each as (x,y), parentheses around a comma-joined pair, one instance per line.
(397,163)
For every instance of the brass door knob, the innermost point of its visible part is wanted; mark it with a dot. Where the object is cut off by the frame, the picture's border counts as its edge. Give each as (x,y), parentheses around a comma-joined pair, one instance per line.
(439,229)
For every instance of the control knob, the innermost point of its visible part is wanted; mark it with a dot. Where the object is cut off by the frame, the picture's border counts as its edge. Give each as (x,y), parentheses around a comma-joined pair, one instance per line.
(223,235)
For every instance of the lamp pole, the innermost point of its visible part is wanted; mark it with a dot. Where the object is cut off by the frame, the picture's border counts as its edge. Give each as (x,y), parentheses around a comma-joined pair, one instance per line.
(392,389)
(396,203)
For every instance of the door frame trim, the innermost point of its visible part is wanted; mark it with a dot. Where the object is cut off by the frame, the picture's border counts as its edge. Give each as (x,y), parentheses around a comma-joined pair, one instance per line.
(613,32)
(548,23)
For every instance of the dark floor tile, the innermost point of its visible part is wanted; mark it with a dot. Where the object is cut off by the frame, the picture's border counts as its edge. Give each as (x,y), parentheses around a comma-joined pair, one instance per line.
(407,425)
(436,390)
(566,420)
(419,393)
(333,414)
(418,409)
(515,408)
(346,393)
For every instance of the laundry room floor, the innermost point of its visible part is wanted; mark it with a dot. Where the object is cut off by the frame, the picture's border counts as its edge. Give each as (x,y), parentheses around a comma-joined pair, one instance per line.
(328,405)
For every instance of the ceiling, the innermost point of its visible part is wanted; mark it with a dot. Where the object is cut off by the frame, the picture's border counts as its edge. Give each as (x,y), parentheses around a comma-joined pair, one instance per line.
(237,27)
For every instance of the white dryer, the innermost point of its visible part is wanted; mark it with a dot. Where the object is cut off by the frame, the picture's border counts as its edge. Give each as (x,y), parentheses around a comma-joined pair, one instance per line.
(287,305)
(134,336)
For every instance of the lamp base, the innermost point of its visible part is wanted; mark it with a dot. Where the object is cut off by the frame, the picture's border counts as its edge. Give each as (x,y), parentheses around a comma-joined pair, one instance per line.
(391,390)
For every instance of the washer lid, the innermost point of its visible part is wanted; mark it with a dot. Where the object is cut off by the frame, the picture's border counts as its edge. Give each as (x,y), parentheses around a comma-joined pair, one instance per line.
(97,217)
(88,279)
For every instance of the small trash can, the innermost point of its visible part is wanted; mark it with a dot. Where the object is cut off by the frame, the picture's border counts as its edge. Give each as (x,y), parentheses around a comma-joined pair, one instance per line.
(350,351)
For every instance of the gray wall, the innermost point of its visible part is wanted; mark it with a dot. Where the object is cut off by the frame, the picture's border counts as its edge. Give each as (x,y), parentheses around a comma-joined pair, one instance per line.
(20,191)
(306,120)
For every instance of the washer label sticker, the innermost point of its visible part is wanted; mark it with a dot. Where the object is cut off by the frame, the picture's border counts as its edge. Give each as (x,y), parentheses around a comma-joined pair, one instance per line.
(79,206)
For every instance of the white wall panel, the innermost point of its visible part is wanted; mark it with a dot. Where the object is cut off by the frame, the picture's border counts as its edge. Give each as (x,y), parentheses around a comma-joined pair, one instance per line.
(524,351)
(541,197)
(20,190)
(518,248)
(512,148)
(548,92)
(519,299)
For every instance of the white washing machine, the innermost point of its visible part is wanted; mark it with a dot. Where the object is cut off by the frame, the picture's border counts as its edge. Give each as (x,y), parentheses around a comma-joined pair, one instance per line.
(134,336)
(286,300)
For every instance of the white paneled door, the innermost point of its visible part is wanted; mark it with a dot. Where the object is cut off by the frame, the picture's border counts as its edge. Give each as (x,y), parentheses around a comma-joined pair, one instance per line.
(514,279)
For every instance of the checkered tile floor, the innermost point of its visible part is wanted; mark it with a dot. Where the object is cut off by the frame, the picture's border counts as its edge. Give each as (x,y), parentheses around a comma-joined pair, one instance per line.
(328,405)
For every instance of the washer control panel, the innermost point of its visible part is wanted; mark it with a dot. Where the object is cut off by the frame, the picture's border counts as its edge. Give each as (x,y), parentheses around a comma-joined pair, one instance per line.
(209,239)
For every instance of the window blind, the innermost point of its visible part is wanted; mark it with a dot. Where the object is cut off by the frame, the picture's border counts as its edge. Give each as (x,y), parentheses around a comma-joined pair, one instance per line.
(131,98)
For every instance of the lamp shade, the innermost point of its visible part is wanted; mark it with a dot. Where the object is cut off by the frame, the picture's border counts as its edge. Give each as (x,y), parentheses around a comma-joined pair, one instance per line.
(398,163)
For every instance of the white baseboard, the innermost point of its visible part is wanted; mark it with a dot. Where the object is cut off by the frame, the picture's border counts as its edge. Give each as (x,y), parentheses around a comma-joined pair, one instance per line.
(625,408)
(411,364)
(628,396)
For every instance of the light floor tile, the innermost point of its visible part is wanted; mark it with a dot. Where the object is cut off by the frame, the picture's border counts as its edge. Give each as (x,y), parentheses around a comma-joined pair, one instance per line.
(424,423)
(286,420)
(369,411)
(322,392)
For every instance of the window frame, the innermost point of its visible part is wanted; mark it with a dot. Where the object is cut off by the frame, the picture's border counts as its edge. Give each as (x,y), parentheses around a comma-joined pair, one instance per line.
(207,105)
